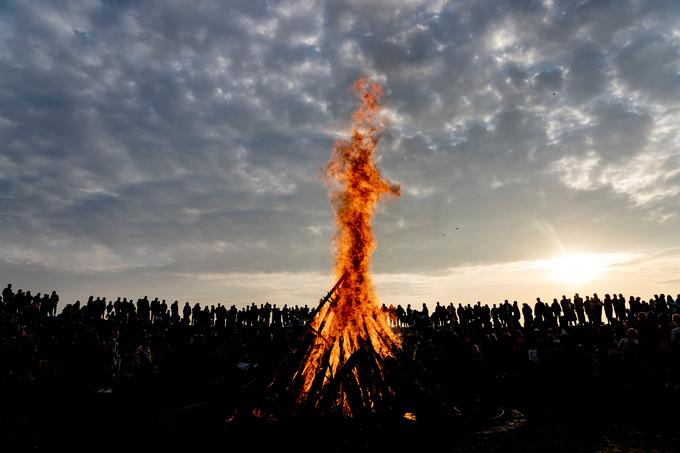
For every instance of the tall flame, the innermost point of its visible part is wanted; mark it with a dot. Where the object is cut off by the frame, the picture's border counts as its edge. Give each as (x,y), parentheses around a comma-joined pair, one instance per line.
(353,320)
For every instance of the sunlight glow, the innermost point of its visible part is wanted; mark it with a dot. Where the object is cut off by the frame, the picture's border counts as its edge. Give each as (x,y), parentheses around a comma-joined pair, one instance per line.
(577,268)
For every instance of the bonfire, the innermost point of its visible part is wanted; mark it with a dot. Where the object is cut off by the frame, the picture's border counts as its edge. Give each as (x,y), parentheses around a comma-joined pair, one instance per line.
(343,360)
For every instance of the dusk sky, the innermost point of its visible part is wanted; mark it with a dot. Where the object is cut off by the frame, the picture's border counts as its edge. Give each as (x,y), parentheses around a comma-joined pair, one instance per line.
(174,148)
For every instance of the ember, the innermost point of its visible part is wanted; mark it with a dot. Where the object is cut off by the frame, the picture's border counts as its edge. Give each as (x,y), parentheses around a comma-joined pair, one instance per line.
(343,367)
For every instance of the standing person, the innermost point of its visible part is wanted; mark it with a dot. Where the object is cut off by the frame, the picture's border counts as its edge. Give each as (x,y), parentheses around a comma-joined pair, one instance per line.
(7,295)
(580,309)
(635,306)
(453,316)
(174,312)
(557,311)
(608,308)
(155,310)
(568,310)
(538,311)
(620,307)
(588,305)
(528,316)
(596,305)
(401,316)
(425,315)
(495,317)
(54,301)
(515,314)
(186,313)
(462,319)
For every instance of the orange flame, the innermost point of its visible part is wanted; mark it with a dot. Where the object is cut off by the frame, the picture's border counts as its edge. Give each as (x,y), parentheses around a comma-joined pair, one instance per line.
(353,320)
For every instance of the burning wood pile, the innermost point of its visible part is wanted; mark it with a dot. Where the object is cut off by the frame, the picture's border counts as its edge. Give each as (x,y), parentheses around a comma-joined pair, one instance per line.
(344,353)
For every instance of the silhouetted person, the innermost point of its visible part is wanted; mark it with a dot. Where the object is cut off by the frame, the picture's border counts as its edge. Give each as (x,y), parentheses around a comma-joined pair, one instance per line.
(539,308)
(453,315)
(7,293)
(174,312)
(495,316)
(619,305)
(515,314)
(556,311)
(8,299)
(425,315)
(579,307)
(186,313)
(401,316)
(143,309)
(195,314)
(528,316)
(155,309)
(608,304)
(588,307)
(596,307)
(568,310)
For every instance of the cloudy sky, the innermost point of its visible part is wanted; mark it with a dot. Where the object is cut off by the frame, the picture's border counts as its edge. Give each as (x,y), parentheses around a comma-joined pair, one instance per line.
(173,148)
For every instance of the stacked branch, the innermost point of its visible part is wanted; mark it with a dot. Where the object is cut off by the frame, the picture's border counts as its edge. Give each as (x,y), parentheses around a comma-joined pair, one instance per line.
(338,378)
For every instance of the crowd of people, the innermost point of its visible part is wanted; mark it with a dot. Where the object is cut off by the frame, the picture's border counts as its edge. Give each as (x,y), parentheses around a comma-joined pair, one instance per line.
(125,335)
(562,313)
(190,352)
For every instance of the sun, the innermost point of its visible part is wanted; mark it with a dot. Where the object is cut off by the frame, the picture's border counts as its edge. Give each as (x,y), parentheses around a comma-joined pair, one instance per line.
(577,269)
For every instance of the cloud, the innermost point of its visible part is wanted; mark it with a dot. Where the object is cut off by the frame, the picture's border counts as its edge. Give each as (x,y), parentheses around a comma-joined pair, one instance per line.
(656,51)
(166,138)
(587,77)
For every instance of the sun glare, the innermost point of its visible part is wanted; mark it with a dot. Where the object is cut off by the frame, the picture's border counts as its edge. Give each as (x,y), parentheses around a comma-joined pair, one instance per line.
(577,268)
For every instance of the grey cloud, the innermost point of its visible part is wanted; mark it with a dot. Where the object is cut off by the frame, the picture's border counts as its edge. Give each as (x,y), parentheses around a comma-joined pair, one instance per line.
(549,80)
(650,64)
(190,139)
(620,132)
(586,78)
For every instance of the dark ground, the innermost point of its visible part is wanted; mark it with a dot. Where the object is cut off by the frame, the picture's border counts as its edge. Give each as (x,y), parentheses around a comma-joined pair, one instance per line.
(546,419)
